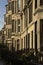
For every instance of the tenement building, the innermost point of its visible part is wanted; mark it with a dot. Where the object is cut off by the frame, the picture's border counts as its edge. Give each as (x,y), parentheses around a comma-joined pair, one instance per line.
(24,24)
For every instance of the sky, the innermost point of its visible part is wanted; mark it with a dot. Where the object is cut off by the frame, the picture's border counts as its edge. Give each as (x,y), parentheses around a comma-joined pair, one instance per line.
(2,12)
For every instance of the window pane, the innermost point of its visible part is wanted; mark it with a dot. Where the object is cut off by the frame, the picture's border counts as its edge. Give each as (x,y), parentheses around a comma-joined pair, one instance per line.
(41,34)
(18,28)
(15,25)
(35,4)
(13,43)
(12,25)
(18,5)
(29,40)
(9,6)
(18,21)
(12,7)
(30,13)
(9,19)
(36,36)
(18,42)
(25,18)
(21,43)
(32,39)
(9,33)
(41,2)
(26,41)
(6,8)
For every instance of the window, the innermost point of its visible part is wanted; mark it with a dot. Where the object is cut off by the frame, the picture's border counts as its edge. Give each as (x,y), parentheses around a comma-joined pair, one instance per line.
(9,33)
(9,6)
(12,25)
(26,41)
(29,40)
(6,8)
(18,21)
(12,7)
(22,23)
(41,23)
(18,28)
(18,43)
(41,2)
(32,39)
(15,44)
(21,43)
(9,19)
(30,13)
(25,18)
(18,25)
(41,34)
(18,5)
(12,43)
(36,36)
(15,25)
(35,4)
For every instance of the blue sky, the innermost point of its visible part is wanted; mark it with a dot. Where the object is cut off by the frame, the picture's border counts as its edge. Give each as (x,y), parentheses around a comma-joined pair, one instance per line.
(2,12)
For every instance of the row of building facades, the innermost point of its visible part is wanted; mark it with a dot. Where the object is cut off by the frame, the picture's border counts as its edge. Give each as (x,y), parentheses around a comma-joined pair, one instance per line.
(23,28)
